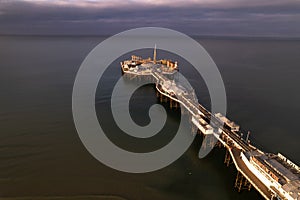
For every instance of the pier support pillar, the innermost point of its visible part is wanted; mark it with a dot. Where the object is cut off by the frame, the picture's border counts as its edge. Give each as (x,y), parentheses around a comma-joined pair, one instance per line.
(247,185)
(218,144)
(165,99)
(227,158)
(241,182)
(175,105)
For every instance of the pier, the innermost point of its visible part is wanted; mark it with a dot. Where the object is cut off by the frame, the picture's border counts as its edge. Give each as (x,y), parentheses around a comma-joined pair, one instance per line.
(272,175)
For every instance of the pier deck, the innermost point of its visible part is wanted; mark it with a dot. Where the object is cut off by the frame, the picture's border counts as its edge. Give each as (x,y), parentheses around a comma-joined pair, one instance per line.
(266,179)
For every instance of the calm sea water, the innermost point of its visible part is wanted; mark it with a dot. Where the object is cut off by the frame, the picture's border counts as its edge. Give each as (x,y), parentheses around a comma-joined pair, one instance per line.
(41,154)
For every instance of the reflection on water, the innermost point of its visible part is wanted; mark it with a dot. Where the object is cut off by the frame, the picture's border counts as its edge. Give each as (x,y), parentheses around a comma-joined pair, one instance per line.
(42,156)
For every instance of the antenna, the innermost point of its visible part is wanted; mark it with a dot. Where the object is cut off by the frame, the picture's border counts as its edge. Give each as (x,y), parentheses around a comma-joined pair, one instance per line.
(154,54)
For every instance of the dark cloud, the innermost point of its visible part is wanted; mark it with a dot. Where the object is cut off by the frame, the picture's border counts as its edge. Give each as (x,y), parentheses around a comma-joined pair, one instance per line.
(257,19)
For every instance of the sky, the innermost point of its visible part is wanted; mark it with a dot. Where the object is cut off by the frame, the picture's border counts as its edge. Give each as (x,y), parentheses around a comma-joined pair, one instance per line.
(266,18)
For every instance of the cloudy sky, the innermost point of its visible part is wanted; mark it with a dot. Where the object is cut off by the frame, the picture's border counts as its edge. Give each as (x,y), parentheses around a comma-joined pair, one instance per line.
(194,17)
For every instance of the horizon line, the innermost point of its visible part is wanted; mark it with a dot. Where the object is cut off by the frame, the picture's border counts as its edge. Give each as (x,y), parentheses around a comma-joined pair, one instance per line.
(191,35)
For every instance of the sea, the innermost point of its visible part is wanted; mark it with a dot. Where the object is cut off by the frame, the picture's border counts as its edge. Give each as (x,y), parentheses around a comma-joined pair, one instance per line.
(42,156)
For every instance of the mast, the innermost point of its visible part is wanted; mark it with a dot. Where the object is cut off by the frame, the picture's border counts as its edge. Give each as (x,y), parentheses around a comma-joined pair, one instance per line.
(154,54)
